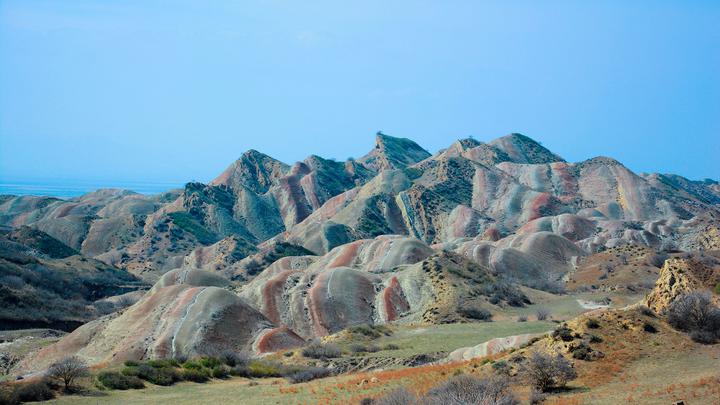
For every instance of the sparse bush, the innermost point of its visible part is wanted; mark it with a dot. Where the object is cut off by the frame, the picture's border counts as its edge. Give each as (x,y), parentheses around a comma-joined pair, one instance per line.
(68,370)
(544,372)
(131,363)
(502,367)
(542,314)
(465,389)
(391,346)
(504,291)
(308,374)
(119,381)
(399,396)
(649,327)
(582,352)
(475,312)
(647,312)
(522,318)
(322,351)
(367,401)
(34,391)
(233,359)
(7,362)
(592,323)
(563,333)
(695,314)
(181,358)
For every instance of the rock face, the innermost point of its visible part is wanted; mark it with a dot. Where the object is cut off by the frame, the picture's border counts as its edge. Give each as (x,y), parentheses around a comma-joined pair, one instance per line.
(393,153)
(681,276)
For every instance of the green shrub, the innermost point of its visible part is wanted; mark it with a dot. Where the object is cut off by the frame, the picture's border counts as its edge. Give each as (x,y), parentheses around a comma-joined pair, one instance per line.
(130,371)
(158,376)
(592,323)
(132,363)
(118,381)
(263,369)
(391,346)
(198,376)
(192,365)
(595,339)
(563,333)
(582,352)
(221,371)
(210,362)
(717,288)
(502,367)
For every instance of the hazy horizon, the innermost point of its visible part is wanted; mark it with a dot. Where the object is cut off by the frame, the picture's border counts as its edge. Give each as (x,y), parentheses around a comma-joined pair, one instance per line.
(145,92)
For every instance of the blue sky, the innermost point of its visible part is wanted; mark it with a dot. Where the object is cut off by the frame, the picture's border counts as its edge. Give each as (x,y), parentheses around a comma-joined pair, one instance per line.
(176,90)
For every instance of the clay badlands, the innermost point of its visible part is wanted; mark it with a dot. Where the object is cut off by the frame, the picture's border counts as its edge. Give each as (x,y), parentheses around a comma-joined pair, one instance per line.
(396,269)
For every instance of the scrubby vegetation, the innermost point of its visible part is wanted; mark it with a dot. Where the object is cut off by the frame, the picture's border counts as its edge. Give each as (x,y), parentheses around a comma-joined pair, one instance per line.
(694,313)
(202,369)
(57,293)
(322,351)
(545,372)
(186,222)
(461,389)
(369,331)
(475,312)
(118,381)
(502,291)
(32,391)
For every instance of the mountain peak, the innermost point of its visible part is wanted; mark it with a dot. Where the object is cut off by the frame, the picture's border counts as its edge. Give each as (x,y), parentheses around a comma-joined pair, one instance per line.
(391,153)
(523,149)
(254,170)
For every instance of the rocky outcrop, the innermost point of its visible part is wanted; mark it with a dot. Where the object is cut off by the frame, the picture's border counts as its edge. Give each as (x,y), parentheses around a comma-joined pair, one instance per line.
(393,153)
(492,346)
(680,276)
